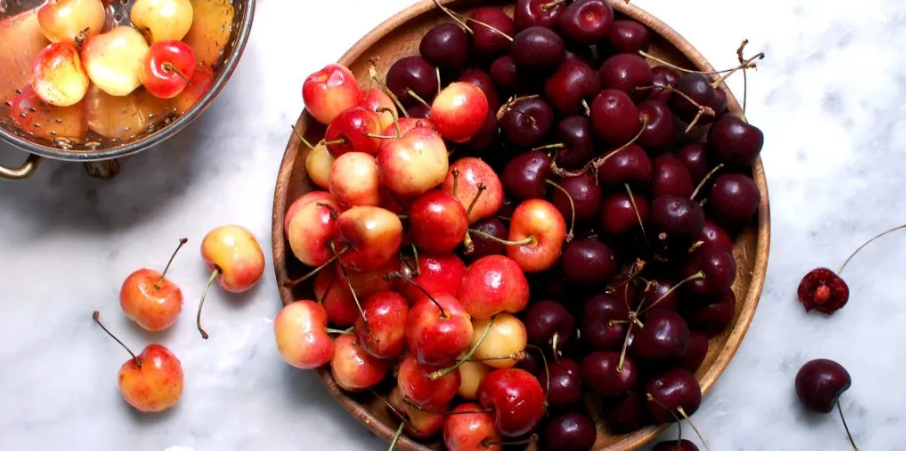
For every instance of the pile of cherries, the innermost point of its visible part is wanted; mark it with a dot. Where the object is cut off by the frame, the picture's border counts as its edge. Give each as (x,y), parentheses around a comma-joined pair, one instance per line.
(519,223)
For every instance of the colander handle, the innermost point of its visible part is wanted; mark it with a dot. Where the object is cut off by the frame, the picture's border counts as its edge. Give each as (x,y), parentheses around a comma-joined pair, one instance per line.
(22,172)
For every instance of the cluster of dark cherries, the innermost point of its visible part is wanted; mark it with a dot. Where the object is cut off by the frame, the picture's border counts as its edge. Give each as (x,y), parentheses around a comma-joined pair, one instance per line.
(597,226)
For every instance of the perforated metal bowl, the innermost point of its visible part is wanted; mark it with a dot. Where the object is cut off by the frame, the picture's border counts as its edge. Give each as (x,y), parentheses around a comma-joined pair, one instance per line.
(156,127)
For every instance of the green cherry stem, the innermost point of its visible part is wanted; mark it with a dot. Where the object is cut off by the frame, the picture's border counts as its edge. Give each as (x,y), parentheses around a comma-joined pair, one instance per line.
(445,371)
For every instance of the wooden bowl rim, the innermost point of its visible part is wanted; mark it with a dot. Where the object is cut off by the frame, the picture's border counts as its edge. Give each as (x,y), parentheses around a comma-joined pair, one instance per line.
(762,244)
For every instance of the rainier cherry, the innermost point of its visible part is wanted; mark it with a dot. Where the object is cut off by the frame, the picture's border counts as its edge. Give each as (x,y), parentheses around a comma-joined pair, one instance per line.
(164,20)
(329,92)
(167,68)
(437,273)
(372,236)
(416,384)
(113,60)
(473,174)
(384,333)
(71,20)
(537,233)
(301,333)
(312,231)
(494,284)
(58,77)
(318,163)
(414,163)
(151,381)
(354,130)
(471,374)
(819,385)
(503,344)
(354,180)
(378,101)
(517,399)
(470,428)
(439,329)
(418,423)
(353,369)
(150,299)
(459,111)
(437,222)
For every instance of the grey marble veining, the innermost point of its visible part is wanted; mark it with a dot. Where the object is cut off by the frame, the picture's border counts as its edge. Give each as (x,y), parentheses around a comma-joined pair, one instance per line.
(830,97)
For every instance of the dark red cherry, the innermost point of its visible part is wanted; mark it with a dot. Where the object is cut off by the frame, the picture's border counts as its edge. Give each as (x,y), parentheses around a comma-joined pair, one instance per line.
(670,177)
(570,431)
(585,194)
(615,117)
(537,13)
(663,76)
(577,137)
(549,324)
(823,290)
(538,48)
(415,73)
(713,235)
(626,72)
(572,82)
(445,46)
(675,445)
(819,384)
(718,268)
(482,79)
(694,157)
(626,413)
(419,111)
(664,336)
(628,36)
(679,218)
(660,124)
(696,351)
(620,213)
(486,42)
(485,246)
(526,175)
(601,373)
(505,74)
(697,87)
(565,383)
(733,200)
(661,295)
(733,142)
(588,262)
(671,391)
(712,318)
(586,22)
(601,321)
(527,121)
(630,165)
(718,103)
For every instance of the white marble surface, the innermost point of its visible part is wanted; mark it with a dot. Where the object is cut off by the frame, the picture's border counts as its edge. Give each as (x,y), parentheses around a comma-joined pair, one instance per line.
(830,98)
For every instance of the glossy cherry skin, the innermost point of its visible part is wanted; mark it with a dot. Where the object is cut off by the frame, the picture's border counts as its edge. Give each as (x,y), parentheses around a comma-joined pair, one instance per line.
(440,273)
(517,399)
(820,382)
(601,328)
(663,76)
(483,81)
(312,230)
(823,290)
(387,313)
(734,142)
(569,432)
(481,246)
(373,235)
(493,284)
(620,214)
(549,325)
(301,338)
(586,21)
(489,135)
(437,222)
(471,431)
(659,124)
(437,338)
(630,165)
(414,382)
(167,68)
(532,13)
(153,381)
(694,156)
(540,221)
(696,351)
(474,172)
(486,42)
(525,175)
(527,121)
(670,177)
(664,337)
(151,300)
(588,262)
(697,87)
(538,48)
(572,82)
(446,46)
(681,445)
(713,235)
(679,218)
(615,117)
(671,391)
(628,36)
(626,413)
(601,373)
(718,267)
(626,72)
(733,200)
(459,111)
(419,424)
(660,296)
(350,127)
(565,382)
(585,194)
(712,318)
(354,369)
(577,136)
(415,73)
(329,92)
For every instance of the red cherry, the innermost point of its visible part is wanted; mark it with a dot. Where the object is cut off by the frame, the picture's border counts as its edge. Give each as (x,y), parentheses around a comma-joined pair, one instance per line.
(517,399)
(353,369)
(416,383)
(494,284)
(823,290)
(384,336)
(439,329)
(354,130)
(471,429)
(329,92)
(459,111)
(167,68)
(437,222)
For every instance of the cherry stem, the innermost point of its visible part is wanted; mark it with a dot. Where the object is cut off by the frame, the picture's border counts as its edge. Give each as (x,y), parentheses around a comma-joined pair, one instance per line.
(168,67)
(408,401)
(551,146)
(555,351)
(481,188)
(705,180)
(454,16)
(418,98)
(440,86)
(182,241)
(495,30)
(455,174)
(625,346)
(586,107)
(396,437)
(396,120)
(846,427)
(398,275)
(679,436)
(403,418)
(349,331)
(867,243)
(694,428)
(445,371)
(204,295)
(681,69)
(745,78)
(334,142)
(635,209)
(372,72)
(312,273)
(597,163)
(514,356)
(512,101)
(97,318)
(743,65)
(355,298)
(697,276)
(302,138)
(547,6)
(572,208)
(547,372)
(527,240)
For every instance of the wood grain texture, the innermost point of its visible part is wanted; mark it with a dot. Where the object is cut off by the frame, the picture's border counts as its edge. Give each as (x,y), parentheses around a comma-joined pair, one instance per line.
(399,36)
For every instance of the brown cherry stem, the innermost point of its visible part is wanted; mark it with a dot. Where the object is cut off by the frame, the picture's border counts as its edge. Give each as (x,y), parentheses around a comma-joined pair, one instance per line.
(355,298)
(846,427)
(335,141)
(97,318)
(638,216)
(527,240)
(694,428)
(312,273)
(349,331)
(467,242)
(454,16)
(418,266)
(455,174)
(327,291)
(182,241)
(302,138)
(481,188)
(409,402)
(867,243)
(168,67)
(697,276)
(597,163)
(702,110)
(514,356)
(547,372)
(551,147)
(396,436)
(586,107)
(705,180)
(745,78)
(625,347)
(512,101)
(372,73)
(204,294)
(398,275)
(495,30)
(418,98)
(744,65)
(445,371)
(572,208)
(647,55)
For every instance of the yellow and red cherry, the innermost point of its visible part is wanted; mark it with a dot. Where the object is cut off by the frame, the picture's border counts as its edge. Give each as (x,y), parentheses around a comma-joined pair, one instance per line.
(357,129)
(150,299)
(537,234)
(471,373)
(318,163)
(235,259)
(415,163)
(163,20)
(471,428)
(58,77)
(313,231)
(371,238)
(151,381)
(329,92)
(71,21)
(199,85)
(494,284)
(113,60)
(439,329)
(418,423)
(504,344)
(381,330)
(354,180)
(517,399)
(459,111)
(473,174)
(417,385)
(437,222)
(167,68)
(378,101)
(435,273)
(301,333)
(301,201)
(354,369)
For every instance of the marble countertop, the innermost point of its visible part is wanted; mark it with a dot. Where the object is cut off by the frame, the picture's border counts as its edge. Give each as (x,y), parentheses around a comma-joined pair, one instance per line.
(830,98)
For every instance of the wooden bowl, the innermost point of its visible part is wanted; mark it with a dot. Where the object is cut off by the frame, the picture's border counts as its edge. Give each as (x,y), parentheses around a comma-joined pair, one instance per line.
(399,36)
